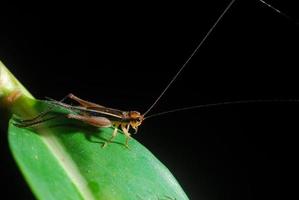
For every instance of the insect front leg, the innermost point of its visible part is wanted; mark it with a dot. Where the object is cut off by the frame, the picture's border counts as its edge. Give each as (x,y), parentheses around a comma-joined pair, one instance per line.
(125,128)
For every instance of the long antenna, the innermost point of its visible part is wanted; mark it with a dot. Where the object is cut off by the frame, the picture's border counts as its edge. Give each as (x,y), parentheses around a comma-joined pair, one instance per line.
(223,104)
(278,11)
(190,57)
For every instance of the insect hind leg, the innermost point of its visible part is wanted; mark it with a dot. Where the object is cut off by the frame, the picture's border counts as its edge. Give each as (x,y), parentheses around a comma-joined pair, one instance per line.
(31,123)
(39,116)
(82,102)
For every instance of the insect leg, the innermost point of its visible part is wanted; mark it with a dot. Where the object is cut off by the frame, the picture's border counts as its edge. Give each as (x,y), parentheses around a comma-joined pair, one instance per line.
(35,122)
(82,102)
(42,114)
(112,137)
(125,129)
(36,118)
(100,122)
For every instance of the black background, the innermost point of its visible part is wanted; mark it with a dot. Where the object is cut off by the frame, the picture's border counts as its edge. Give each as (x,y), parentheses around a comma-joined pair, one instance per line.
(123,55)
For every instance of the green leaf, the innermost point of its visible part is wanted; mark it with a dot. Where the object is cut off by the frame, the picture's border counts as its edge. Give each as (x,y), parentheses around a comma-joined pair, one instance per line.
(63,159)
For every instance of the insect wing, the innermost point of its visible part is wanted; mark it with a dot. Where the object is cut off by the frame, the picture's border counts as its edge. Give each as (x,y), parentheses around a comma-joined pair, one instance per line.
(106,111)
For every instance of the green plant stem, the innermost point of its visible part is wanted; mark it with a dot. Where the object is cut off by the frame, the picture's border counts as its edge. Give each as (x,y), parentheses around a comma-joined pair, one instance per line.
(14,98)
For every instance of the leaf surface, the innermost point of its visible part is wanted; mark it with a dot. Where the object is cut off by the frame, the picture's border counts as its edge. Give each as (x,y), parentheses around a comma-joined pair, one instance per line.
(63,159)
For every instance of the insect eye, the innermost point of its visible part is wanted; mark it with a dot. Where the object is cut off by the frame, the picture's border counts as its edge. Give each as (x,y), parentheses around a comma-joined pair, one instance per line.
(138,120)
